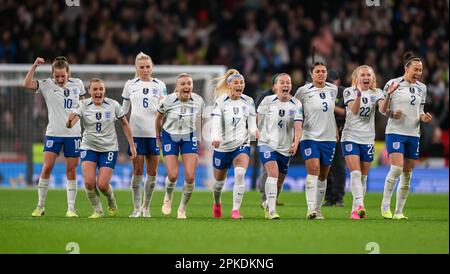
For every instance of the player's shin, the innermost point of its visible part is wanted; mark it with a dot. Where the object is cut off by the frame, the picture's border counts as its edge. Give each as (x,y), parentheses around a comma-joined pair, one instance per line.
(239,187)
(42,191)
(71,194)
(356,188)
(389,185)
(217,191)
(149,186)
(321,189)
(94,198)
(402,191)
(271,193)
(311,191)
(136,181)
(186,195)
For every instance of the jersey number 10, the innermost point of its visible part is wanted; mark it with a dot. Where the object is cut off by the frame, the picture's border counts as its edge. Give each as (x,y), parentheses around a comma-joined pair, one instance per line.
(67,103)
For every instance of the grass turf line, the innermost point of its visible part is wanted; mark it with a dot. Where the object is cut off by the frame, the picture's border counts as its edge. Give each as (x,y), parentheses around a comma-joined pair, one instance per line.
(426,231)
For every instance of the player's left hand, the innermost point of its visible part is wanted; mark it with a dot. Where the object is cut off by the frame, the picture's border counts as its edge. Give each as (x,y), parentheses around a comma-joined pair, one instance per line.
(293,149)
(133,152)
(426,117)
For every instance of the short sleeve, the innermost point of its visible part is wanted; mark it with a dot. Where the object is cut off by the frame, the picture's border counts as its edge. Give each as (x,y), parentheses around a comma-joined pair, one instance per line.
(349,95)
(162,106)
(202,105)
(262,108)
(380,95)
(334,91)
(118,110)
(163,89)
(252,107)
(126,91)
(424,95)
(299,94)
(82,88)
(80,109)
(217,108)
(299,112)
(43,85)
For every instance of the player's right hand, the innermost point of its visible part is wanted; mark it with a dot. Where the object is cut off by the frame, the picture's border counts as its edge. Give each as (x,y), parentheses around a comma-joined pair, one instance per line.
(70,119)
(392,87)
(397,114)
(158,143)
(216,143)
(133,152)
(39,61)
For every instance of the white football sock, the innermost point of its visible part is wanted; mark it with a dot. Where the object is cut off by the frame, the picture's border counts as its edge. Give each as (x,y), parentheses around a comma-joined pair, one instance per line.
(186,195)
(271,193)
(42,191)
(239,187)
(356,188)
(391,179)
(402,191)
(169,189)
(94,198)
(321,189)
(136,181)
(71,193)
(217,191)
(110,197)
(311,191)
(149,186)
(364,184)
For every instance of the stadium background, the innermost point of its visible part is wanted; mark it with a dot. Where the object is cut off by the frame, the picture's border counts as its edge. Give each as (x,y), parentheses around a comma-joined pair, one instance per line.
(259,38)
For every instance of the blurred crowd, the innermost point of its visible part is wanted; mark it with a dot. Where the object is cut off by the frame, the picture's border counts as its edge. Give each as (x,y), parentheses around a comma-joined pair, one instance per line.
(259,38)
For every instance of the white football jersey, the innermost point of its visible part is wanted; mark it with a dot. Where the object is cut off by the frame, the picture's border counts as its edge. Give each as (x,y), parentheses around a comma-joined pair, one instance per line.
(181,117)
(61,101)
(318,112)
(276,122)
(144,97)
(232,119)
(360,128)
(408,98)
(98,123)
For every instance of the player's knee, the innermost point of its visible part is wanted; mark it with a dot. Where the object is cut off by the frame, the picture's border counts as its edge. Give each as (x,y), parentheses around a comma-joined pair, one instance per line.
(89,184)
(189,178)
(239,173)
(272,172)
(103,187)
(314,170)
(138,171)
(173,176)
(46,170)
(355,175)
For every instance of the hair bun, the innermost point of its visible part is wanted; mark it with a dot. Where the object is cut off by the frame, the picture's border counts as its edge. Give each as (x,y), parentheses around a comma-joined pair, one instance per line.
(408,55)
(61,58)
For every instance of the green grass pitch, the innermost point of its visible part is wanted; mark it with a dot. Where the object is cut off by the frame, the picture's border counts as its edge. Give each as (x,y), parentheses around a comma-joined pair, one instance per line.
(426,231)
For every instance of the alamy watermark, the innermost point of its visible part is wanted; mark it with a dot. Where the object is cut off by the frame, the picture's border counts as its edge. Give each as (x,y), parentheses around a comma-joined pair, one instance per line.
(73,248)
(372,3)
(373,247)
(73,3)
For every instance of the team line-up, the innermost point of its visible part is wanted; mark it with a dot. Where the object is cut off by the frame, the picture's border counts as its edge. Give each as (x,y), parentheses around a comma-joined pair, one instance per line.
(281,124)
